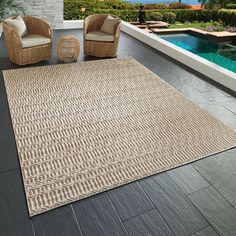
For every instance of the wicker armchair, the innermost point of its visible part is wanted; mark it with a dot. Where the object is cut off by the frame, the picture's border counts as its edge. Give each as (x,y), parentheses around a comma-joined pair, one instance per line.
(100,48)
(28,55)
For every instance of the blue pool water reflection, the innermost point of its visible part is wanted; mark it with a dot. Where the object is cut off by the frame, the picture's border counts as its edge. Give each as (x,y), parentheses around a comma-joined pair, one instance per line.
(222,54)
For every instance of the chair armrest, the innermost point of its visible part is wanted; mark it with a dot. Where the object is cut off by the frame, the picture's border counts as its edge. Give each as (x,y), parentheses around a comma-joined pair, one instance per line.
(36,25)
(12,36)
(85,26)
(117,31)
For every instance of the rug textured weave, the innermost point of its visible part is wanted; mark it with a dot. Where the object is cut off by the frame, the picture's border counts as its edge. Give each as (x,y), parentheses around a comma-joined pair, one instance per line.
(85,128)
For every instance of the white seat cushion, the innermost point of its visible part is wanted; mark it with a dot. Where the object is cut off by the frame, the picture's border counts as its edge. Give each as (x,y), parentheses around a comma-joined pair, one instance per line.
(18,24)
(99,36)
(33,40)
(109,25)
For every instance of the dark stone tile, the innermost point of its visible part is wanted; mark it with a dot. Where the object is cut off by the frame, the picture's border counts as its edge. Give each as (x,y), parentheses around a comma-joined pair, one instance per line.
(199,85)
(19,230)
(12,200)
(158,71)
(217,169)
(217,95)
(178,212)
(59,222)
(150,223)
(8,153)
(208,231)
(3,46)
(231,106)
(194,95)
(188,179)
(97,217)
(127,44)
(228,189)
(221,113)
(218,212)
(204,98)
(130,200)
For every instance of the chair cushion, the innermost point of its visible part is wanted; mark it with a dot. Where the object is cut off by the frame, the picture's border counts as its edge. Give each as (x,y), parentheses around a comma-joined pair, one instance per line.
(99,36)
(18,24)
(109,25)
(33,40)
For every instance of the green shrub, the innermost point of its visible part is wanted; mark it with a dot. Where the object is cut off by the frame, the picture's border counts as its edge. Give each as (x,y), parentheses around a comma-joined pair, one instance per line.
(154,15)
(185,15)
(126,15)
(228,17)
(207,15)
(196,15)
(213,27)
(169,17)
(231,6)
(72,9)
(129,12)
(178,5)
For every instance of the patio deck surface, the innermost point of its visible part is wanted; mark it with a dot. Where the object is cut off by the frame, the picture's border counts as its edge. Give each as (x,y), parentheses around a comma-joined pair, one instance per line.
(197,199)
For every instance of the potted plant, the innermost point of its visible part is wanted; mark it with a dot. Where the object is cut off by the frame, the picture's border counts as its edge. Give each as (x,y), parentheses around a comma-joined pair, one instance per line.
(9,8)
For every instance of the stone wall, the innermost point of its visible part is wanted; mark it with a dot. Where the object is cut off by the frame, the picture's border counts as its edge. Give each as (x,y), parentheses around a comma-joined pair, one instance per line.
(49,10)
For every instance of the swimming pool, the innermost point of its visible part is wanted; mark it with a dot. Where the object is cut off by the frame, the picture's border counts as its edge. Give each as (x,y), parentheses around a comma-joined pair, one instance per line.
(222,54)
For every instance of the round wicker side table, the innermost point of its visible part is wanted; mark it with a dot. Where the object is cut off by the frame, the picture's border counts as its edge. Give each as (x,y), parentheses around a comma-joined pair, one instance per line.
(68,48)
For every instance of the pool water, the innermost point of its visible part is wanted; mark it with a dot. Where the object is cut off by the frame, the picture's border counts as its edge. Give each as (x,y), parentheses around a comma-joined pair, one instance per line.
(222,54)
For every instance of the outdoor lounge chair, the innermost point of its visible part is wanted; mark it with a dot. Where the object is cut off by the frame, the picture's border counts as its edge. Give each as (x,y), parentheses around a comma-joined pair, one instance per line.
(30,45)
(101,35)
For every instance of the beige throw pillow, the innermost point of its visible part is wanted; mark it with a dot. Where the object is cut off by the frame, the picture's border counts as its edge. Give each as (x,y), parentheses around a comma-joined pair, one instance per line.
(109,25)
(18,24)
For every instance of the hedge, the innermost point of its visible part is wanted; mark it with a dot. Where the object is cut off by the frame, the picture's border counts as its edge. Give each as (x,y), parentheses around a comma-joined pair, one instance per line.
(157,16)
(169,17)
(196,15)
(72,11)
(72,8)
(126,15)
(231,6)
(228,17)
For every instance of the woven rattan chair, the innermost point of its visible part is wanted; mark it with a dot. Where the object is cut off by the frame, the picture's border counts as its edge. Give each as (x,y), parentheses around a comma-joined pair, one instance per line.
(100,48)
(29,55)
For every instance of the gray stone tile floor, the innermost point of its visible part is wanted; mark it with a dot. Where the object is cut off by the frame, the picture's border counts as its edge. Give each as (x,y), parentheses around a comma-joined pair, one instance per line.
(197,199)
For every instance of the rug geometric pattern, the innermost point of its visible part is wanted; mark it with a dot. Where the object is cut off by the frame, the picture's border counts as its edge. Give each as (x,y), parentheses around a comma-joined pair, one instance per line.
(84,128)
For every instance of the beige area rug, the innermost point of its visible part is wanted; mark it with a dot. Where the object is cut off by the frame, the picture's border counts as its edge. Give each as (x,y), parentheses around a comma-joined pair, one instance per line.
(85,128)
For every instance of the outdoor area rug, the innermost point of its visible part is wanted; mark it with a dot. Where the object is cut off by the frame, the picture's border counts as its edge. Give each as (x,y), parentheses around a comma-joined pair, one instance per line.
(87,127)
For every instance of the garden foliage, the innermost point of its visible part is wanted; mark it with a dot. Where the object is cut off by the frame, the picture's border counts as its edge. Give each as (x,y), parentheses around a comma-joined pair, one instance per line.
(79,9)
(231,6)
(228,17)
